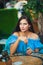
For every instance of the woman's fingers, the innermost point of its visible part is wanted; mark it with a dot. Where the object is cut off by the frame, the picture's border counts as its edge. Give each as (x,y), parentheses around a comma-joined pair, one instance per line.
(29,51)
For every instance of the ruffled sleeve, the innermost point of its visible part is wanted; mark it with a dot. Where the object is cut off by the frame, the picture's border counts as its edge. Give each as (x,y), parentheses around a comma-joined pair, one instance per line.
(34,44)
(10,41)
(38,44)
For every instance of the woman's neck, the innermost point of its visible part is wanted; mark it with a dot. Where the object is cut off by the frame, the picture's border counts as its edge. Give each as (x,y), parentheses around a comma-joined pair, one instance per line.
(24,33)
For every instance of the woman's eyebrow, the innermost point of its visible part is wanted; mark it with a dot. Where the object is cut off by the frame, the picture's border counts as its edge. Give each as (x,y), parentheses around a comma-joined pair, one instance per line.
(25,22)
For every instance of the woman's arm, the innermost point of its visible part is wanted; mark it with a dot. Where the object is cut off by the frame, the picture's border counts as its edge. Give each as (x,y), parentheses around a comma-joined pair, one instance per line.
(14,46)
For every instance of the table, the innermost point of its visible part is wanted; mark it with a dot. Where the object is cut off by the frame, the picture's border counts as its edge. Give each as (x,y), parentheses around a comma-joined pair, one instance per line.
(26,60)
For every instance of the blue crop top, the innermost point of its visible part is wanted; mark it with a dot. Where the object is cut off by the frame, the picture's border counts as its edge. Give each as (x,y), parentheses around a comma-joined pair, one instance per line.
(22,47)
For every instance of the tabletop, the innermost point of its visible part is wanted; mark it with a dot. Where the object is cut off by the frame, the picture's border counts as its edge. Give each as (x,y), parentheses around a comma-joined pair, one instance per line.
(26,60)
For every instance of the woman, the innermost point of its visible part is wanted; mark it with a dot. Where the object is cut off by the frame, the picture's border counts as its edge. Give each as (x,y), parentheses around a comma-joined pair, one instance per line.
(23,40)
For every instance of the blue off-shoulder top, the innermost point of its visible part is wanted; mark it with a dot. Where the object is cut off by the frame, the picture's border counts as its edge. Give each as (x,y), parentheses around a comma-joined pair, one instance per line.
(22,47)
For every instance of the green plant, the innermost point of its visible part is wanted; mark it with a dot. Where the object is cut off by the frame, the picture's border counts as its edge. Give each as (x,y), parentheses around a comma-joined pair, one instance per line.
(33,7)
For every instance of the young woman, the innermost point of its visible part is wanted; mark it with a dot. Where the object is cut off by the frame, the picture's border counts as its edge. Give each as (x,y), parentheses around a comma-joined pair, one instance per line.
(23,40)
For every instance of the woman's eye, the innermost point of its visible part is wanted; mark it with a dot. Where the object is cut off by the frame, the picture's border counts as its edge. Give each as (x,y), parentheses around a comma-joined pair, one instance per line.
(23,24)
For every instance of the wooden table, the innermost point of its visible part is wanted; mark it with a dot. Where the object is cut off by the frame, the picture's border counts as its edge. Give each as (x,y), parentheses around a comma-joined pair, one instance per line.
(26,60)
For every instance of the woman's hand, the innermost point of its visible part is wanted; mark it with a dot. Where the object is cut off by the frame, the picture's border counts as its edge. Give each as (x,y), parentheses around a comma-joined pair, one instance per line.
(29,51)
(36,50)
(23,38)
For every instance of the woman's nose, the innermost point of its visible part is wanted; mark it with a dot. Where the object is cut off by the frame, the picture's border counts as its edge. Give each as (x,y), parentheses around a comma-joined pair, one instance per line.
(22,25)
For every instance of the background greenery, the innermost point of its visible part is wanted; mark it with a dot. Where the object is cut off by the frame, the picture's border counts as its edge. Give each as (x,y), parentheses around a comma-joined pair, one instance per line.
(32,8)
(8,21)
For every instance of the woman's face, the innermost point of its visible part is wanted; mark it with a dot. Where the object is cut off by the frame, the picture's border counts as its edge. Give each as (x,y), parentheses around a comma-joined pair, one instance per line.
(24,26)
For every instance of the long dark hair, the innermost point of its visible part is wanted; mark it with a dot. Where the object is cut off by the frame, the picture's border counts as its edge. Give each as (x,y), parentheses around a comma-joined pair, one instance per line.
(17,29)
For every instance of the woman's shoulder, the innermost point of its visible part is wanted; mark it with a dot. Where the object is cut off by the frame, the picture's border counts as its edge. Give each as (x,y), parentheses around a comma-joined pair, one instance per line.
(34,36)
(16,34)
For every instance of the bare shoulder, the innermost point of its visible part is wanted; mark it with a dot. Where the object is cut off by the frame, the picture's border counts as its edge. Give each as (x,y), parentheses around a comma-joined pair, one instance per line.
(15,33)
(34,36)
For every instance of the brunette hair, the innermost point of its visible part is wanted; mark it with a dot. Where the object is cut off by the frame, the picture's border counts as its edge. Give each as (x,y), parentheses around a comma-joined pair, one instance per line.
(17,29)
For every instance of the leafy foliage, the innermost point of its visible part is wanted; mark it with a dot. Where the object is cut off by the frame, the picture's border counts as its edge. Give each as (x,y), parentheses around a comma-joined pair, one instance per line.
(33,7)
